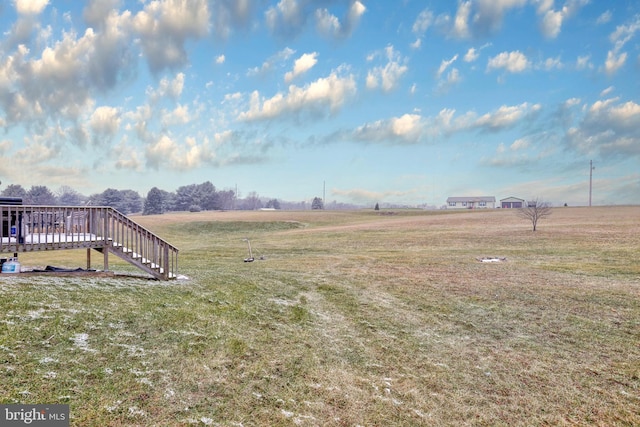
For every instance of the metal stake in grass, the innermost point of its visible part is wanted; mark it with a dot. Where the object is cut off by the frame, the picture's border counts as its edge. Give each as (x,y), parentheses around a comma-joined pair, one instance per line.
(250,259)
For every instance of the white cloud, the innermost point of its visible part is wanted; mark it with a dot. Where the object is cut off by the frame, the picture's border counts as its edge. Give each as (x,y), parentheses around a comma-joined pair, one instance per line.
(544,5)
(552,23)
(514,62)
(607,91)
(127,157)
(30,7)
(618,115)
(623,33)
(47,86)
(105,120)
(614,61)
(460,23)
(519,144)
(287,13)
(407,128)
(481,17)
(422,23)
(331,92)
(271,62)
(477,18)
(552,20)
(171,88)
(608,128)
(414,128)
(552,64)
(387,77)
(572,102)
(445,64)
(220,59)
(165,152)
(327,24)
(229,15)
(165,26)
(406,125)
(584,62)
(506,116)
(471,55)
(178,116)
(303,64)
(604,18)
(453,76)
(289,17)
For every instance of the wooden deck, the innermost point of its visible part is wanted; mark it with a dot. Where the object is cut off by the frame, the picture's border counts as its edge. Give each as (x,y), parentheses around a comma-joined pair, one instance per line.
(27,228)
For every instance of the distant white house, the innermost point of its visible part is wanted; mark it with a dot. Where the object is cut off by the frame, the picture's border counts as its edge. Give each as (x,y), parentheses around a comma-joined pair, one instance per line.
(474,202)
(512,203)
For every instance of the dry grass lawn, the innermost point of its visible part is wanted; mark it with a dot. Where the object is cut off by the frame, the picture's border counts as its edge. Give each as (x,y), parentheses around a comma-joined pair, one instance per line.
(352,318)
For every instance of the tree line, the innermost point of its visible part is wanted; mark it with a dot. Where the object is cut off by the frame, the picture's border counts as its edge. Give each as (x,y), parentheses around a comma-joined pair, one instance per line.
(126,201)
(193,197)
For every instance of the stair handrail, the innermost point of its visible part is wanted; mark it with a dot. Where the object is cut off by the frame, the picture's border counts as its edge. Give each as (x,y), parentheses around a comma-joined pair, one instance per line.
(122,232)
(44,227)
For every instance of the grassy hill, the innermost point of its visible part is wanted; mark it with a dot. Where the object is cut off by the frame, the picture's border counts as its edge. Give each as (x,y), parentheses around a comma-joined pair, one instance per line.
(352,318)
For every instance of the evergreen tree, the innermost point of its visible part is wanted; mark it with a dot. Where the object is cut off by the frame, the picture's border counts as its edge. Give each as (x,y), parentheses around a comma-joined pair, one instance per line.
(154,204)
(186,196)
(15,190)
(131,201)
(317,203)
(207,197)
(125,201)
(40,195)
(67,196)
(273,204)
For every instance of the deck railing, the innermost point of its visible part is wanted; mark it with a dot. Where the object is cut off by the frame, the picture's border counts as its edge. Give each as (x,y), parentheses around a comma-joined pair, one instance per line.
(35,228)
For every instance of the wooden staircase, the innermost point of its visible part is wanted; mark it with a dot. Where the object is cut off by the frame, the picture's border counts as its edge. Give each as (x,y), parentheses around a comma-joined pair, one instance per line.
(28,228)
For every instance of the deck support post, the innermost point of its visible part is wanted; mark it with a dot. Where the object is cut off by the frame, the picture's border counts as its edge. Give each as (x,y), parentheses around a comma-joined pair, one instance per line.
(88,259)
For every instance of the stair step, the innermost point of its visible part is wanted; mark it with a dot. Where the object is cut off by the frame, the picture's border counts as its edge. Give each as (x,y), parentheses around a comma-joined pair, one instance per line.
(151,264)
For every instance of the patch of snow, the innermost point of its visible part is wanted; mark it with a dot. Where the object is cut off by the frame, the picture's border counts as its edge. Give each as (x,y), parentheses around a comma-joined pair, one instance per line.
(113,407)
(145,381)
(81,341)
(133,350)
(134,411)
(281,301)
(492,259)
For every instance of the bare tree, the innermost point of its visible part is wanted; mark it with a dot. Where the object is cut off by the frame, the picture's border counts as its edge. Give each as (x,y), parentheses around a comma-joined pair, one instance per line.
(534,211)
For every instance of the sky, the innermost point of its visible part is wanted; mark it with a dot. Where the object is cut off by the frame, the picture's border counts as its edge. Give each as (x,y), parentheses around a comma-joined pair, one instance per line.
(358,101)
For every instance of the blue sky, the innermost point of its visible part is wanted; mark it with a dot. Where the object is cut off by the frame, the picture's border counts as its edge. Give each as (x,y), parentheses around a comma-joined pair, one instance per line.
(404,102)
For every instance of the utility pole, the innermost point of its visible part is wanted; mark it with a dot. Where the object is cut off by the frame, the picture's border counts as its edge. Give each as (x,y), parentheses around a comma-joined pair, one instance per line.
(324,191)
(591,168)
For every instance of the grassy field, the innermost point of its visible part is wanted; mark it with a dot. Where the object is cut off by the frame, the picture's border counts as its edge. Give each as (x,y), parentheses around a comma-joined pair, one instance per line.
(352,318)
